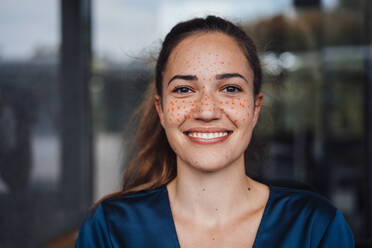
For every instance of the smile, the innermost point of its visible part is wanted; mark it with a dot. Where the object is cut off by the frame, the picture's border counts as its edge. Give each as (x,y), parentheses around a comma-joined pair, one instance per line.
(207,135)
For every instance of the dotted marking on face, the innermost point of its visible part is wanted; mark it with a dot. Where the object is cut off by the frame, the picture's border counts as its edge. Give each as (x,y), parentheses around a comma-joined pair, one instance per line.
(235,121)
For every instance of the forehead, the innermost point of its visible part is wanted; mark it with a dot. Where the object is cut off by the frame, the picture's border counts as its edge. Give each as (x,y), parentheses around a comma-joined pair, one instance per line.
(206,50)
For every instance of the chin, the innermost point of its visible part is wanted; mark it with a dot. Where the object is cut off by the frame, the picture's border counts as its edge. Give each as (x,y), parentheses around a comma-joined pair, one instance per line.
(209,164)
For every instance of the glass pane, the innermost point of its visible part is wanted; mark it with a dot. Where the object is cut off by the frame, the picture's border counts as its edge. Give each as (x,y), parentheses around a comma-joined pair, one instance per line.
(29,98)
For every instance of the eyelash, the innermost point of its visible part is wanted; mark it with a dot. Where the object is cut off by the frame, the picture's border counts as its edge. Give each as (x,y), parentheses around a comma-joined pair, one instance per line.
(235,88)
(178,90)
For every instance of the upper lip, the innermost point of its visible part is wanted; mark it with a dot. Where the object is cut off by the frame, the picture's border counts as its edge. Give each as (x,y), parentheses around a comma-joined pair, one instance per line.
(207,130)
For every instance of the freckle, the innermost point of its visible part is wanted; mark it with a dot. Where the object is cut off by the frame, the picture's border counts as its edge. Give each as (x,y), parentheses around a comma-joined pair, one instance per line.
(238,98)
(185,116)
(232,102)
(178,120)
(232,107)
(201,104)
(183,101)
(243,119)
(216,209)
(221,102)
(217,55)
(172,103)
(206,104)
(178,107)
(203,87)
(176,101)
(222,63)
(186,111)
(172,109)
(222,109)
(227,102)
(227,115)
(168,110)
(203,189)
(213,239)
(204,78)
(235,121)
(170,119)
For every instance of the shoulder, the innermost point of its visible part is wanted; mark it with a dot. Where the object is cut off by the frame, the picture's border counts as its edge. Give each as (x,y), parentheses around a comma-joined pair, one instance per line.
(304,201)
(122,217)
(309,216)
(136,201)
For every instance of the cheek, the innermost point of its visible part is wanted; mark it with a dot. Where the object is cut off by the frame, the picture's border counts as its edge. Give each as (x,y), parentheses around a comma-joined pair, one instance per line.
(178,111)
(237,110)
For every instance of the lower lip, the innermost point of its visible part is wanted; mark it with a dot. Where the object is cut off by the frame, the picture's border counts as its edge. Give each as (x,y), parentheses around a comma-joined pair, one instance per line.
(208,141)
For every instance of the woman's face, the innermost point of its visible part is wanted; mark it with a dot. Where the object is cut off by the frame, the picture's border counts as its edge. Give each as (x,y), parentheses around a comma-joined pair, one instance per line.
(207,108)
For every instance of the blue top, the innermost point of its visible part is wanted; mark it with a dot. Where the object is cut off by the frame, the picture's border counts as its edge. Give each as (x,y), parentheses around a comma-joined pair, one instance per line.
(292,218)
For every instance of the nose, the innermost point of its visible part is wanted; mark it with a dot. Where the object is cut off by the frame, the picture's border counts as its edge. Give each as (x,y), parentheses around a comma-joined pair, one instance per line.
(206,108)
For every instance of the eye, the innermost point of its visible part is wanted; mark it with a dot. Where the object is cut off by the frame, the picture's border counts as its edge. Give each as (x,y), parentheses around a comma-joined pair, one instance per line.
(182,90)
(231,89)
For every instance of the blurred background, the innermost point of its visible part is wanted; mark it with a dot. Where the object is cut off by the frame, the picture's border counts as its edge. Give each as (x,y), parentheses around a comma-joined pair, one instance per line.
(73,71)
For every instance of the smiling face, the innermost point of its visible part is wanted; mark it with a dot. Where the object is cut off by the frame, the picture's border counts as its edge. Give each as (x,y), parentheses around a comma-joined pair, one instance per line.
(208,109)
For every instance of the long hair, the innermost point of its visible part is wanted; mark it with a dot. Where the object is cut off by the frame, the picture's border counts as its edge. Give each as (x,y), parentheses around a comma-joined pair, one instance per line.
(153,162)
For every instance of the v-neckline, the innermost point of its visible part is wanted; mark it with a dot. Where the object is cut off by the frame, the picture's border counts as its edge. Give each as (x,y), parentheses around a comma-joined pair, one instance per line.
(259,230)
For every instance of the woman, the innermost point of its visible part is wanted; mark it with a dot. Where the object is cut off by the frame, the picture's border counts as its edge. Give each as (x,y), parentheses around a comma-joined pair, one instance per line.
(186,185)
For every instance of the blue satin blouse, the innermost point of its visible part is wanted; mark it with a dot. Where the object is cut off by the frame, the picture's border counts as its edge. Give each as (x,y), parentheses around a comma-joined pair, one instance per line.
(292,218)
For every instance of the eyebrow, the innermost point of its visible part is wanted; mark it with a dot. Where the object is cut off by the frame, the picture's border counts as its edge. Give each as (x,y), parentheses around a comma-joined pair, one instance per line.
(230,75)
(218,77)
(184,77)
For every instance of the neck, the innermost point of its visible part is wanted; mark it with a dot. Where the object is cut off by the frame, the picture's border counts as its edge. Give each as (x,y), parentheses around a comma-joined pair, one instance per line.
(210,196)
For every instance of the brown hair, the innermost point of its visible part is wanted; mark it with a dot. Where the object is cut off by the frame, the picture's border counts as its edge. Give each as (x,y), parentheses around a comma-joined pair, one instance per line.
(154,162)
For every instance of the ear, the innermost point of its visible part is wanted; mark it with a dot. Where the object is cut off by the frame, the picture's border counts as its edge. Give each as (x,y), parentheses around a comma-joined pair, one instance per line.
(159,109)
(257,107)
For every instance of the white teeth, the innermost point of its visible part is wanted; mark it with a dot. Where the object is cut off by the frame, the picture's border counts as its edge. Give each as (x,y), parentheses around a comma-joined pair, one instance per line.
(207,135)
